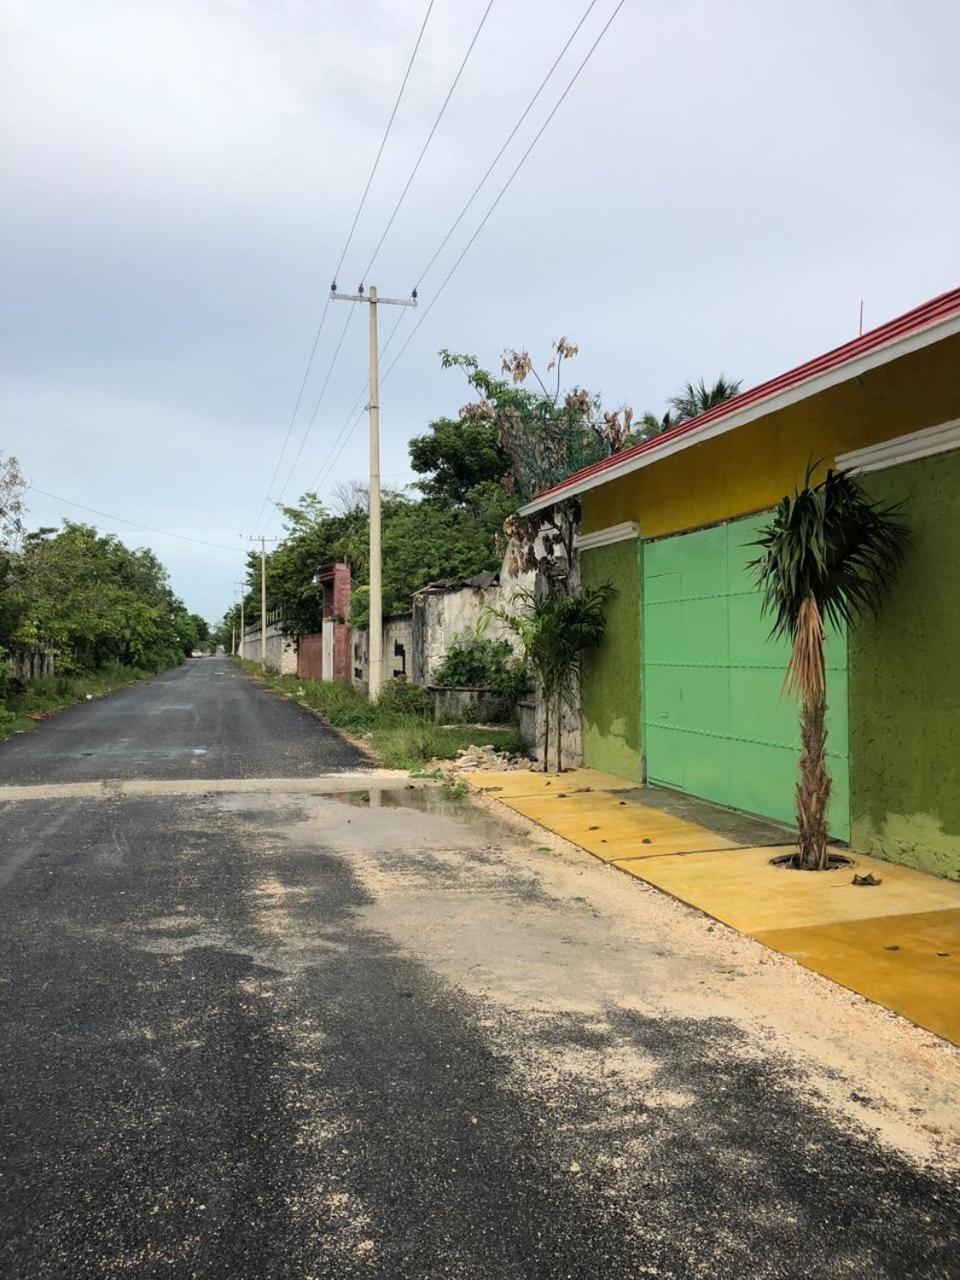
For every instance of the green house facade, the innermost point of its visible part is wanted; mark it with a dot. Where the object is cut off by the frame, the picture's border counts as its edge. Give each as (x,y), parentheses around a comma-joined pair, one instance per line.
(687,688)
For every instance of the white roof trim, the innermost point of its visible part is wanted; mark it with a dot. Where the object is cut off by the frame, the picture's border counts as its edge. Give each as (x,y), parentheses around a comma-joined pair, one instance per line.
(604,537)
(918,444)
(913,341)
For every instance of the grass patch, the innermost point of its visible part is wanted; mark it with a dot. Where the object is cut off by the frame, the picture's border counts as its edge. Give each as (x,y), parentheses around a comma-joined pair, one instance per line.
(50,693)
(401,738)
(410,747)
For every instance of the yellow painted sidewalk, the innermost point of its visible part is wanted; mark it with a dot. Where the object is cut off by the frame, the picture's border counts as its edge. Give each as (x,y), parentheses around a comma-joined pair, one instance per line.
(897,943)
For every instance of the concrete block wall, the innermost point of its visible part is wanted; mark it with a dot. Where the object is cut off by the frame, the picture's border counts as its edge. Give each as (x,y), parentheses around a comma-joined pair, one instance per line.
(397,649)
(29,662)
(281,650)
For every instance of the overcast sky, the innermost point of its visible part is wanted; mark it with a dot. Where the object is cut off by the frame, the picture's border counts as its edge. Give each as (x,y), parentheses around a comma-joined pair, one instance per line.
(722,186)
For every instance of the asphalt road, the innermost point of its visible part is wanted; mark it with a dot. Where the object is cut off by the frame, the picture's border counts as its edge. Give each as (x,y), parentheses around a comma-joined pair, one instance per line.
(204,719)
(264,1034)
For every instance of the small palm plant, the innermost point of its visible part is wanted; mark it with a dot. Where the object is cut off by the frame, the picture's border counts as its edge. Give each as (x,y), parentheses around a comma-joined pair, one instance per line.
(829,555)
(556,630)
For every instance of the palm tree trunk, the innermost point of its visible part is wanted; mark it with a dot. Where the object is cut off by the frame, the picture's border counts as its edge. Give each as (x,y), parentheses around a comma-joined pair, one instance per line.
(546,730)
(813,785)
(560,730)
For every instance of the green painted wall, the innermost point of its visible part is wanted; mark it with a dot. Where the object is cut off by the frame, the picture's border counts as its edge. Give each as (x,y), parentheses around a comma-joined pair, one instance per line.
(717,722)
(611,674)
(905,683)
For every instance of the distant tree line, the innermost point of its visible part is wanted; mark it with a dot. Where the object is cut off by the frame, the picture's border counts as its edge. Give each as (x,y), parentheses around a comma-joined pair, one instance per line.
(84,595)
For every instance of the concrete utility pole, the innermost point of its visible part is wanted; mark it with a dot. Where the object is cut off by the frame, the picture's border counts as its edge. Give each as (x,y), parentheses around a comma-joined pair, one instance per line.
(242,588)
(263,604)
(375,632)
(263,598)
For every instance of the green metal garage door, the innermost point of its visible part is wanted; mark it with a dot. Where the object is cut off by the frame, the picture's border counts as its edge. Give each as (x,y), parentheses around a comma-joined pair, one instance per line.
(716,723)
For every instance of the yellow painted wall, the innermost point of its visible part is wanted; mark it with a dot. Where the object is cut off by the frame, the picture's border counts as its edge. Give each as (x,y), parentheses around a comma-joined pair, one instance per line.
(751,468)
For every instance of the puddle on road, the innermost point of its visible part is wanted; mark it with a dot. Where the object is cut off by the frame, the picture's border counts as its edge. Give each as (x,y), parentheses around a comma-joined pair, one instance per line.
(435,801)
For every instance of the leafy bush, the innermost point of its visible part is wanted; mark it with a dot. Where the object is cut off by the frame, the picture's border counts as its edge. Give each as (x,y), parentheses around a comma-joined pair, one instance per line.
(474,661)
(401,698)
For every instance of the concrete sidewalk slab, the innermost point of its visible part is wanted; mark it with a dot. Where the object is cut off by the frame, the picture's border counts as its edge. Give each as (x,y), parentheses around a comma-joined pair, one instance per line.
(601,824)
(524,782)
(897,942)
(743,890)
(910,963)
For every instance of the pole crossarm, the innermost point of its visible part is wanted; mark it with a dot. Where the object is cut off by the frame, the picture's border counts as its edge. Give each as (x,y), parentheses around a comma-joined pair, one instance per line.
(362,297)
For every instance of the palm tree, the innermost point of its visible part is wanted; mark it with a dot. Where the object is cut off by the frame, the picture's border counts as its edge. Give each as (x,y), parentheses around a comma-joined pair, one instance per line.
(650,425)
(697,397)
(829,555)
(555,631)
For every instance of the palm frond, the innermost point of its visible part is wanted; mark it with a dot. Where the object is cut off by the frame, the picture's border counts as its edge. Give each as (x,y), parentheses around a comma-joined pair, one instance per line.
(806,671)
(834,543)
(696,397)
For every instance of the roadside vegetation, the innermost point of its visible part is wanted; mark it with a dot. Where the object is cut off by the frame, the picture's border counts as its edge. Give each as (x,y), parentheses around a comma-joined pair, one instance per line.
(397,729)
(556,630)
(102,614)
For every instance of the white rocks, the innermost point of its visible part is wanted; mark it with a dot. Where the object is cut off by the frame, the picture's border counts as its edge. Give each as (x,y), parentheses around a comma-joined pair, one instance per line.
(481,759)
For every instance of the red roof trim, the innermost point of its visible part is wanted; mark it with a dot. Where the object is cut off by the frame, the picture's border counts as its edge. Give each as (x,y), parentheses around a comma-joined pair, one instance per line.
(912,321)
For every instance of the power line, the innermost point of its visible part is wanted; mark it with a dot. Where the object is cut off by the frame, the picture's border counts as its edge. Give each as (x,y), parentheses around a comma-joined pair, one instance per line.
(316,407)
(164,533)
(293,416)
(430,135)
(343,254)
(386,135)
(510,136)
(348,428)
(400,200)
(503,190)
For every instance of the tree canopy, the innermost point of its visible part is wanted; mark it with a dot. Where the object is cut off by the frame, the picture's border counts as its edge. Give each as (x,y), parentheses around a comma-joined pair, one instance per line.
(521,431)
(85,595)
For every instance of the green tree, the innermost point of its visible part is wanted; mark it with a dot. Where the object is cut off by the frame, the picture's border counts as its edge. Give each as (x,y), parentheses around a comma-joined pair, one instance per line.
(227,630)
(93,600)
(829,555)
(650,425)
(546,432)
(696,397)
(12,488)
(457,455)
(423,540)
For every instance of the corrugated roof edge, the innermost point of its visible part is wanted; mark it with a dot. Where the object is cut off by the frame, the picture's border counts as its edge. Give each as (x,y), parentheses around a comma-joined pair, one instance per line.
(750,404)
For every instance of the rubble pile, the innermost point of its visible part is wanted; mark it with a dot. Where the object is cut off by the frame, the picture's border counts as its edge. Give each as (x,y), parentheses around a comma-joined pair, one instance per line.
(478,759)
